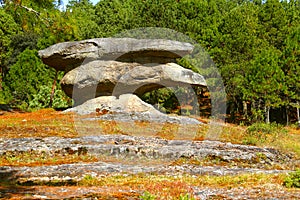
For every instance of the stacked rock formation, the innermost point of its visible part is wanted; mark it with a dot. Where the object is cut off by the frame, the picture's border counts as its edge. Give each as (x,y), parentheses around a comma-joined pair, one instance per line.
(108,73)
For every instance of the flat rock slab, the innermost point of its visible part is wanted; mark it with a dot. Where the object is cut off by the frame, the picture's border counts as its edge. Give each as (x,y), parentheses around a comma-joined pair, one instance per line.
(126,108)
(76,172)
(145,147)
(136,149)
(104,78)
(67,55)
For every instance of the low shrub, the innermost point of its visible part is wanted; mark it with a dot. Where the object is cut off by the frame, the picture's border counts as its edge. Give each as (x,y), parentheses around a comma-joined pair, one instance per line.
(293,179)
(42,98)
(260,132)
(148,196)
(186,197)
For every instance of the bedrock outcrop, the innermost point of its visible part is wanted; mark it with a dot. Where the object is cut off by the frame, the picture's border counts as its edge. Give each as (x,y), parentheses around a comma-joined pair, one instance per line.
(127,107)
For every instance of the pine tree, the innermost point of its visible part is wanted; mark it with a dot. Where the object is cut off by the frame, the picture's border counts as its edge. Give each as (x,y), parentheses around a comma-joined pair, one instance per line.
(25,78)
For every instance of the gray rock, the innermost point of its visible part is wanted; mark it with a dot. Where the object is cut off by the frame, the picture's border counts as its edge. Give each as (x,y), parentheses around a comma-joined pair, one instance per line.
(75,172)
(95,78)
(124,156)
(127,107)
(68,55)
(125,103)
(132,154)
(142,79)
(103,78)
(115,66)
(150,147)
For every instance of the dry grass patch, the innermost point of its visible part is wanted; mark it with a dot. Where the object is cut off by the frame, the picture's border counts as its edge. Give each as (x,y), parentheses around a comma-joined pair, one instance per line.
(163,187)
(48,122)
(41,158)
(171,187)
(42,123)
(285,139)
(38,158)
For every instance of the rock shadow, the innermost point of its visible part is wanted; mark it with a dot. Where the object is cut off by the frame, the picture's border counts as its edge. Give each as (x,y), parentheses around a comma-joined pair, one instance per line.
(9,187)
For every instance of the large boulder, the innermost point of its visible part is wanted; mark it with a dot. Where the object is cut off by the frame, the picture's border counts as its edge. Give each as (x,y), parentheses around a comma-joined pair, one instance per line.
(143,79)
(104,78)
(95,78)
(104,75)
(68,55)
(126,107)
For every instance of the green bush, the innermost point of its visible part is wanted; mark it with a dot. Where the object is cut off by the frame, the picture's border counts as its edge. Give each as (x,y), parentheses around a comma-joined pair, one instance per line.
(186,197)
(42,98)
(250,140)
(25,78)
(259,132)
(148,196)
(171,99)
(29,82)
(293,179)
(261,128)
(164,99)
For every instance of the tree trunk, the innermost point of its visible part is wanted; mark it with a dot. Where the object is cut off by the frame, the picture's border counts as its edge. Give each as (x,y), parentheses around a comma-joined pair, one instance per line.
(267,111)
(245,109)
(287,115)
(1,75)
(254,111)
(53,89)
(298,114)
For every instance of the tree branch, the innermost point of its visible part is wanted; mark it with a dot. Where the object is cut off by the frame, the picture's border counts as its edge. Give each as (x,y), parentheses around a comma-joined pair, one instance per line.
(30,10)
(36,13)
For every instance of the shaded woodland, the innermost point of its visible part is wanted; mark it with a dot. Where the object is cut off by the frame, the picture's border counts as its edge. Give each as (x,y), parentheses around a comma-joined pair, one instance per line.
(254,44)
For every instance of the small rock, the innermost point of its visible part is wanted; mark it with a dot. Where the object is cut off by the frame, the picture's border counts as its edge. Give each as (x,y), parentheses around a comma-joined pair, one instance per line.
(40,196)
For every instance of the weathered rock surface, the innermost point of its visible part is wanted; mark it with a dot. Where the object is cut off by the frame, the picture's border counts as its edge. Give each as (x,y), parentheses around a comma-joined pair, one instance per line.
(146,147)
(127,107)
(95,78)
(137,150)
(142,79)
(68,55)
(75,172)
(99,78)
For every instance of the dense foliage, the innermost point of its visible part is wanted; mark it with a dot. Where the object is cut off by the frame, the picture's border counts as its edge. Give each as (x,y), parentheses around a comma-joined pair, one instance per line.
(254,43)
(293,180)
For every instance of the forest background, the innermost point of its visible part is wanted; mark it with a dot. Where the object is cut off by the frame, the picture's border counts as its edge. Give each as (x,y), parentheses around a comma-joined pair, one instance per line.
(254,44)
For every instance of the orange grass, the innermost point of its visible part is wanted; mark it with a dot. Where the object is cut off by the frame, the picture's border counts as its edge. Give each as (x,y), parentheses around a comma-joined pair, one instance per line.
(42,123)
(37,159)
(48,122)
(163,187)
(171,187)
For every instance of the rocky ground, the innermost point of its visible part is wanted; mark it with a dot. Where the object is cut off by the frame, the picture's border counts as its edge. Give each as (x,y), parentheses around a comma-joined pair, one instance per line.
(121,155)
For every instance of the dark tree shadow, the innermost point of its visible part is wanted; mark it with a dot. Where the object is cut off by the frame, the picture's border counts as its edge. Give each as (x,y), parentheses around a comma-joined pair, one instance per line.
(5,107)
(9,186)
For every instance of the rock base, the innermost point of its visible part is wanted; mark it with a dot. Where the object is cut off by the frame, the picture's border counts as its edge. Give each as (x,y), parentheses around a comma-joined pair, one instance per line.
(127,107)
